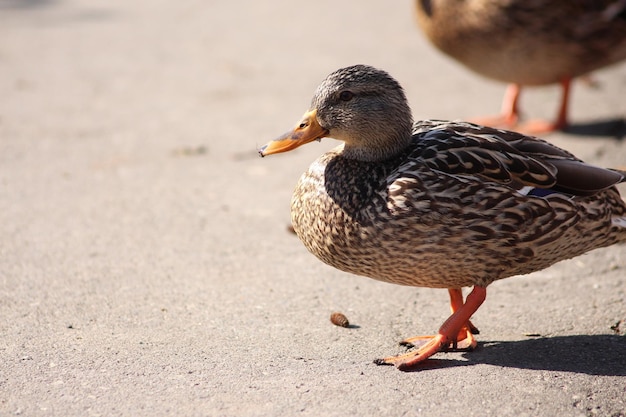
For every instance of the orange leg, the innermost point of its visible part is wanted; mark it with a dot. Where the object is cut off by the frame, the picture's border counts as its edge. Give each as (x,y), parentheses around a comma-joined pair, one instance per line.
(456,328)
(510,115)
(542,126)
(456,302)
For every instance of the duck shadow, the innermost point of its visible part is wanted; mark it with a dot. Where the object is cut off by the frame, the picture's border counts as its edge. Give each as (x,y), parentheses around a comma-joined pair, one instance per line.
(615,128)
(585,354)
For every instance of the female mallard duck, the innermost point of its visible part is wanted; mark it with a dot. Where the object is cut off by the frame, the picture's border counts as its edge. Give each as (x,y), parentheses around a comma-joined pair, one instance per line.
(527,43)
(439,204)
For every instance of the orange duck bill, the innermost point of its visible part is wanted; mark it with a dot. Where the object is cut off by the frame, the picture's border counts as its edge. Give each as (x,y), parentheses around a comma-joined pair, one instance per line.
(307,130)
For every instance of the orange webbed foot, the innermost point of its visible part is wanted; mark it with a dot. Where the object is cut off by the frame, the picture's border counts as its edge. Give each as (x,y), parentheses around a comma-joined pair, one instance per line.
(499,121)
(465,340)
(531,127)
(540,127)
(456,332)
(428,346)
(408,360)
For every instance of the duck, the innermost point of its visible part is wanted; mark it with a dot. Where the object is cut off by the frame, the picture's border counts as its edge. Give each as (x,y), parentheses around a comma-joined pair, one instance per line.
(527,43)
(439,204)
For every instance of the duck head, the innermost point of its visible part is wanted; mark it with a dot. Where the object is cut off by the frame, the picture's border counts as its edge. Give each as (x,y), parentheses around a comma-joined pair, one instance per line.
(360,105)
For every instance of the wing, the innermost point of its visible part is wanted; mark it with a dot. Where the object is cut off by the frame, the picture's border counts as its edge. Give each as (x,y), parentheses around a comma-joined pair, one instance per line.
(460,148)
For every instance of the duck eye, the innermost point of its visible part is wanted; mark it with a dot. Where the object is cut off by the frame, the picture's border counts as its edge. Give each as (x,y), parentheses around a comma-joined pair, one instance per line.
(346,95)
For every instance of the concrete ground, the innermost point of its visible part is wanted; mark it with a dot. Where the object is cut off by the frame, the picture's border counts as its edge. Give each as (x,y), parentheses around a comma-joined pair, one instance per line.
(145,265)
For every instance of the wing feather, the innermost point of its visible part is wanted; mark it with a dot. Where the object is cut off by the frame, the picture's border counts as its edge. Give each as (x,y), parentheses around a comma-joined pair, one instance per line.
(460,148)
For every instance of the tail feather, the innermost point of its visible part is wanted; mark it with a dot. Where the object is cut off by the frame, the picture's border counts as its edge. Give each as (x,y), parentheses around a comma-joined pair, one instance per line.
(620,171)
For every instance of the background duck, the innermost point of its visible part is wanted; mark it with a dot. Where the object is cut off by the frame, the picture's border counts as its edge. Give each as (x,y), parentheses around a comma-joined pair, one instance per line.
(439,204)
(527,43)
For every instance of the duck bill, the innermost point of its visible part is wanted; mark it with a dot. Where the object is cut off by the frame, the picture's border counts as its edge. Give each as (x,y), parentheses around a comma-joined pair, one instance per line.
(307,130)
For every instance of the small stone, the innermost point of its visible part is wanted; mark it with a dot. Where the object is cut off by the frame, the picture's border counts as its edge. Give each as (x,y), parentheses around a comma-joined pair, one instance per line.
(339,319)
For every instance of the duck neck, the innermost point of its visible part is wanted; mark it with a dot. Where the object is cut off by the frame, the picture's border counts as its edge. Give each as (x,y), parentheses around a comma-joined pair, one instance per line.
(378,147)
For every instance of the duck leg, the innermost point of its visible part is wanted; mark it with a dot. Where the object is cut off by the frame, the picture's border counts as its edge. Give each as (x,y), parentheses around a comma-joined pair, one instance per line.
(457,328)
(543,126)
(510,114)
(468,330)
(463,341)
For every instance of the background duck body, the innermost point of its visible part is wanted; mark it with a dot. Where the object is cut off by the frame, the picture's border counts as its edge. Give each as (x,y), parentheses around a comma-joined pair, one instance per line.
(527,43)
(418,220)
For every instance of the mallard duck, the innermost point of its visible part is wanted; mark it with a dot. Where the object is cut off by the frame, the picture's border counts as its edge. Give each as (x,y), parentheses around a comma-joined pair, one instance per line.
(439,204)
(527,43)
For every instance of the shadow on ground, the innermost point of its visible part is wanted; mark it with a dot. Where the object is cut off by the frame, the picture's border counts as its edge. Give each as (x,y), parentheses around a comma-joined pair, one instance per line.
(615,128)
(585,354)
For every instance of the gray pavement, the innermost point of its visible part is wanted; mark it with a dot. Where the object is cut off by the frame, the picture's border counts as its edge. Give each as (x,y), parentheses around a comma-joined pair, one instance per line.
(145,265)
